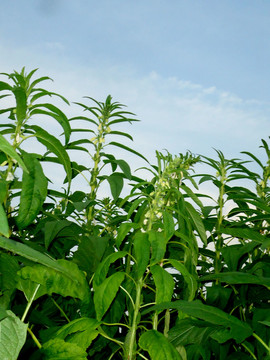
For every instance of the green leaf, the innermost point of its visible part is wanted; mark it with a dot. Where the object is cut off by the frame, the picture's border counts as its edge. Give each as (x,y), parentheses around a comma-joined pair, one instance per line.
(191,194)
(8,269)
(106,292)
(123,230)
(158,244)
(4,228)
(80,332)
(103,267)
(243,233)
(116,184)
(31,254)
(194,215)
(53,228)
(236,329)
(74,285)
(90,251)
(234,277)
(189,279)
(34,191)
(124,167)
(55,146)
(9,150)
(58,349)
(164,284)
(141,253)
(21,104)
(13,335)
(121,134)
(5,86)
(158,346)
(168,225)
(128,149)
(57,114)
(190,331)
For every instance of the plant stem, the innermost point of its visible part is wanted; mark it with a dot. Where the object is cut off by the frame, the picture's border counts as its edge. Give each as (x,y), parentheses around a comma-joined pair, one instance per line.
(134,321)
(262,342)
(60,309)
(34,338)
(30,303)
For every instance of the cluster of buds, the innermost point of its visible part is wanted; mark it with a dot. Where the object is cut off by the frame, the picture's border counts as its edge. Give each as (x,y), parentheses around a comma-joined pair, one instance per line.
(103,129)
(171,172)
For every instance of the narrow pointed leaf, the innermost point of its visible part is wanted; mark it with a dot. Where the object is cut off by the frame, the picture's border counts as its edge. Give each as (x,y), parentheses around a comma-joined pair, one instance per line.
(34,191)
(31,254)
(55,146)
(106,292)
(128,149)
(9,150)
(189,279)
(194,215)
(4,228)
(164,284)
(236,329)
(141,252)
(21,105)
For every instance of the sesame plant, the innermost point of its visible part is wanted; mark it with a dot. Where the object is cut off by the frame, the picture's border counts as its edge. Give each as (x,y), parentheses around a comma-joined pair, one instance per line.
(163,272)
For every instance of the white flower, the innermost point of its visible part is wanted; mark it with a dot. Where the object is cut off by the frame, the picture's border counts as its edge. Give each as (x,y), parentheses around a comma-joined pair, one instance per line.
(10,176)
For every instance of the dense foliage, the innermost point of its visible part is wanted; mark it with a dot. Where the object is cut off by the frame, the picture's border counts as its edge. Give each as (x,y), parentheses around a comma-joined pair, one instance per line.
(164,273)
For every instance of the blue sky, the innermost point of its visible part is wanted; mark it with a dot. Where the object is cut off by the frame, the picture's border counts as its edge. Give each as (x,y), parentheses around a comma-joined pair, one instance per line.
(195,72)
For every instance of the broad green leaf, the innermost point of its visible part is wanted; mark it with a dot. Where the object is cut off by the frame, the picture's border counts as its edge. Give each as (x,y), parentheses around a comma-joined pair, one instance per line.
(106,292)
(124,167)
(53,228)
(8,270)
(9,150)
(190,331)
(189,279)
(158,245)
(80,332)
(90,251)
(21,104)
(33,255)
(194,215)
(116,184)
(234,277)
(55,146)
(164,284)
(158,346)
(12,336)
(74,285)
(233,253)
(58,349)
(141,247)
(4,228)
(34,191)
(237,329)
(103,267)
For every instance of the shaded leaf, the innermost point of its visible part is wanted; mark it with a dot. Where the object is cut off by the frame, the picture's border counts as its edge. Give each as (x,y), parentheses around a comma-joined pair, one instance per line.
(237,329)
(158,346)
(189,279)
(106,292)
